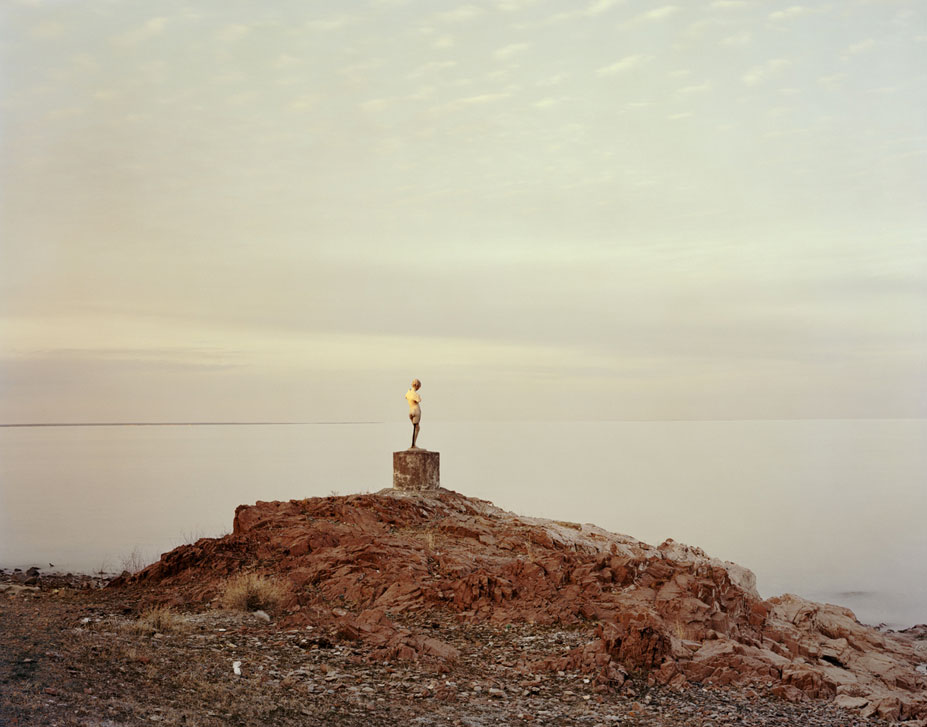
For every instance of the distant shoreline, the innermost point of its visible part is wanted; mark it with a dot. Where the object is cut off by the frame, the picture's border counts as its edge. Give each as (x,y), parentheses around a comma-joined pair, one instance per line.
(169,424)
(720,420)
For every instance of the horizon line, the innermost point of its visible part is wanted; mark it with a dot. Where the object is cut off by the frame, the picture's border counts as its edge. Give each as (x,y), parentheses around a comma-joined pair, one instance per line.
(24,425)
(173,424)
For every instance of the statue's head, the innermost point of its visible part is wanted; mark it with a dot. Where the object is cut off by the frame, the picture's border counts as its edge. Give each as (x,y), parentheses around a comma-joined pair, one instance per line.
(416,384)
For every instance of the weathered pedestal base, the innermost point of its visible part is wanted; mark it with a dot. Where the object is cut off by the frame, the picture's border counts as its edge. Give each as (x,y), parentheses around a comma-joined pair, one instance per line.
(416,470)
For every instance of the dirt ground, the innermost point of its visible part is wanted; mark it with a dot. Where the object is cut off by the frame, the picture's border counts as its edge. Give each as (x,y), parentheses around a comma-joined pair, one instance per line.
(75,653)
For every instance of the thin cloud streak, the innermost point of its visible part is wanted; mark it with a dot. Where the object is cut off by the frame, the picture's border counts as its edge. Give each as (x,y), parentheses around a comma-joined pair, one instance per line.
(621,66)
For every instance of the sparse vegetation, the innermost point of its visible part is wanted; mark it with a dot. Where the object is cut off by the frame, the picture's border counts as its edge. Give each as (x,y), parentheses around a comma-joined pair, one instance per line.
(52,673)
(253,592)
(160,619)
(134,561)
(189,537)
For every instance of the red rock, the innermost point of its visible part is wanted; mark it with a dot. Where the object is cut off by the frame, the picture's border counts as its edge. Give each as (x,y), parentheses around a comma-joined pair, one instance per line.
(355,562)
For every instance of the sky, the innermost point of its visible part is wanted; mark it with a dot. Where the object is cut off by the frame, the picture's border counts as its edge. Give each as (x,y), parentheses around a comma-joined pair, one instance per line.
(611,209)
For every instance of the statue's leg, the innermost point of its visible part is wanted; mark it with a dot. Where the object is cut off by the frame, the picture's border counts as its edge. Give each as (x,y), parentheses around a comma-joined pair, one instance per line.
(414,433)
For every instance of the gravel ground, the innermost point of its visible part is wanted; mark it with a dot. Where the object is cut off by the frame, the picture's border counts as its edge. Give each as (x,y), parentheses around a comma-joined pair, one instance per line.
(73,653)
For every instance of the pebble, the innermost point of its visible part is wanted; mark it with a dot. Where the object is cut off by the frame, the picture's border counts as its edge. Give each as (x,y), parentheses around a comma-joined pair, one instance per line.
(487,687)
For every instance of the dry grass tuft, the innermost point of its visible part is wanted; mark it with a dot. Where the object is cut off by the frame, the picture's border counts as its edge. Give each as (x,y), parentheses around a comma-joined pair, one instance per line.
(253,592)
(160,619)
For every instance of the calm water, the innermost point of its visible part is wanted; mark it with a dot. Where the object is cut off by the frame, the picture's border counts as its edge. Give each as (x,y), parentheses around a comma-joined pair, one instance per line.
(832,510)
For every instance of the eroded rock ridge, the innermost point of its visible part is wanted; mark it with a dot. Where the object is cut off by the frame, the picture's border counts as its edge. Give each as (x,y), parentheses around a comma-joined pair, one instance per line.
(364,567)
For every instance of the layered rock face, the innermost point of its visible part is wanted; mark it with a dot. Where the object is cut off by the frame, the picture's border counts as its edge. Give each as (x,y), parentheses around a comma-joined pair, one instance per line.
(362,565)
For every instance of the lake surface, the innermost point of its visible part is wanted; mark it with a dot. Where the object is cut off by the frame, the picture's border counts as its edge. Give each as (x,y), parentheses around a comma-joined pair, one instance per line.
(831,510)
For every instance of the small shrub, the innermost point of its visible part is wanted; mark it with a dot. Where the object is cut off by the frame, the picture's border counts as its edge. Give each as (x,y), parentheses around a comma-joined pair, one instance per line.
(189,537)
(134,562)
(160,619)
(253,592)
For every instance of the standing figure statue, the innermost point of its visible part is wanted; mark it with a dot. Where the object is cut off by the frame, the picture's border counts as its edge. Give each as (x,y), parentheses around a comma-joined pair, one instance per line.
(415,411)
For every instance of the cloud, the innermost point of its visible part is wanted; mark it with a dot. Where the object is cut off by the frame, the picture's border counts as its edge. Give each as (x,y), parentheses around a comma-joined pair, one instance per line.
(511,6)
(700,28)
(150,29)
(303,102)
(445,41)
(760,74)
(47,30)
(284,61)
(241,99)
(479,100)
(232,33)
(66,112)
(358,72)
(84,62)
(652,16)
(597,7)
(677,117)
(738,39)
(793,11)
(554,80)
(155,25)
(857,48)
(729,4)
(559,17)
(375,105)
(546,103)
(510,50)
(461,14)
(832,80)
(700,88)
(336,22)
(625,64)
(659,13)
(431,67)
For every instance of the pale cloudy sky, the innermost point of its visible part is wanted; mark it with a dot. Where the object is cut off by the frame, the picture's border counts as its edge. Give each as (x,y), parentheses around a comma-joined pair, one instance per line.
(587,210)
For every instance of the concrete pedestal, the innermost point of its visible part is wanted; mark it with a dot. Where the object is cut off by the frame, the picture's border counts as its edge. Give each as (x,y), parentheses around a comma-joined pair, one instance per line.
(416,470)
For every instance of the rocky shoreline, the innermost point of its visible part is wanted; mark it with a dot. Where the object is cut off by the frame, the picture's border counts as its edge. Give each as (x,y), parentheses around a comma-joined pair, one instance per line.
(73,656)
(439,609)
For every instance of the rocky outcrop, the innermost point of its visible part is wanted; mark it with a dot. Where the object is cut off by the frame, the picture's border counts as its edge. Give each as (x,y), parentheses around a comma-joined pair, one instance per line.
(361,565)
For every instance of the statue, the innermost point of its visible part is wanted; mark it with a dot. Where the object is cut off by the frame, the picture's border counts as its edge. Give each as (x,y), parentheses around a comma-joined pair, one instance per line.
(416,469)
(415,411)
